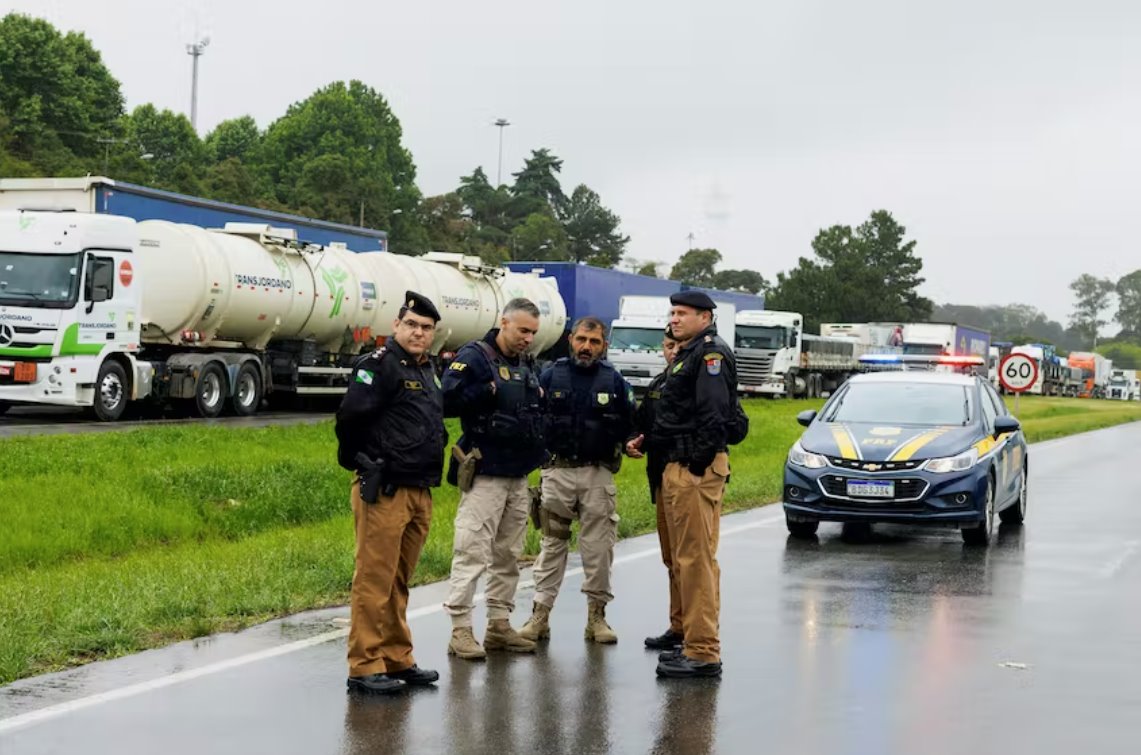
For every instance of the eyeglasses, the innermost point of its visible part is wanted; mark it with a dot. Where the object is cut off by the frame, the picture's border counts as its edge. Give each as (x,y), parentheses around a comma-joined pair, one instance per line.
(427,327)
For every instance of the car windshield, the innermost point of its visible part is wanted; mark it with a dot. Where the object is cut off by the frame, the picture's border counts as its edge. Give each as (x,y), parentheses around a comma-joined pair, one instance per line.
(760,337)
(637,339)
(33,280)
(903,404)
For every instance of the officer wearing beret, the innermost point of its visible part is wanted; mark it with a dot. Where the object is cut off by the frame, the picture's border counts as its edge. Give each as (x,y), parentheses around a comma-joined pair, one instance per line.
(692,424)
(390,431)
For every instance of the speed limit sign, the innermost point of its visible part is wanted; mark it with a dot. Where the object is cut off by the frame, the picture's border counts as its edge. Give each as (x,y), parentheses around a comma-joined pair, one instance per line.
(1018,373)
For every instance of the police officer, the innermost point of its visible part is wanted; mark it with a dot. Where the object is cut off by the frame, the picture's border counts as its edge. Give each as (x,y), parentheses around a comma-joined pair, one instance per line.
(588,416)
(642,445)
(493,387)
(390,429)
(692,423)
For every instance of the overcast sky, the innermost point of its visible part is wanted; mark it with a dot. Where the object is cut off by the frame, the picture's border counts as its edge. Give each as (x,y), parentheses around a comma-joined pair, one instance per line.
(1005,135)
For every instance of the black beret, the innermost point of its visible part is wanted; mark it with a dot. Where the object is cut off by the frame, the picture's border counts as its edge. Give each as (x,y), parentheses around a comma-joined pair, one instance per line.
(420,305)
(695,299)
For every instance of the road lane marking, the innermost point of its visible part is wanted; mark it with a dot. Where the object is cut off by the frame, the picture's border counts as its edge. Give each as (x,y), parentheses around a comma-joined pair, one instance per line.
(55,711)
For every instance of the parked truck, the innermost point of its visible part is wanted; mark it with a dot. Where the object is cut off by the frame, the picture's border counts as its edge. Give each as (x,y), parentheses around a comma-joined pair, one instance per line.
(100,311)
(1054,378)
(775,357)
(1123,385)
(1095,369)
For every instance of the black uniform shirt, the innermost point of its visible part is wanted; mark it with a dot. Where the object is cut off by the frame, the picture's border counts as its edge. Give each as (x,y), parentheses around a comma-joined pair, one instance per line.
(394,411)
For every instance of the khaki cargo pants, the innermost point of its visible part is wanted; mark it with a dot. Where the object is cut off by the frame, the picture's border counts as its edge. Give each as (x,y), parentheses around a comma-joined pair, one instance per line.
(389,537)
(666,543)
(490,525)
(589,495)
(693,506)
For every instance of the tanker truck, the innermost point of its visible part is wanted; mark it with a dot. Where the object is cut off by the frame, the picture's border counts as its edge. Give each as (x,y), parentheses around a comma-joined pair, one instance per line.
(101,311)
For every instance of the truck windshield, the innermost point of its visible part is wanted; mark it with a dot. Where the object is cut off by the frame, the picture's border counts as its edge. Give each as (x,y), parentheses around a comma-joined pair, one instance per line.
(761,337)
(39,280)
(902,404)
(637,339)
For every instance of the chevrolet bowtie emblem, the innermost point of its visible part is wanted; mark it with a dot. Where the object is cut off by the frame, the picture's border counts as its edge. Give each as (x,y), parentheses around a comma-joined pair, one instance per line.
(873,467)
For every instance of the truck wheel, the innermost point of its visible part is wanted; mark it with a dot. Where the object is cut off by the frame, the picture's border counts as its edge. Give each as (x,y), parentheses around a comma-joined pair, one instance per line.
(247,397)
(210,395)
(4,406)
(110,392)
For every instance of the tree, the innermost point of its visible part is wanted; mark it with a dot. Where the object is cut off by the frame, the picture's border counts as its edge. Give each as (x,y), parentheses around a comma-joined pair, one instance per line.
(745,281)
(231,181)
(449,229)
(1016,323)
(56,95)
(870,274)
(1128,291)
(649,268)
(540,237)
(1126,356)
(695,268)
(1091,296)
(537,185)
(592,230)
(339,153)
(238,138)
(179,156)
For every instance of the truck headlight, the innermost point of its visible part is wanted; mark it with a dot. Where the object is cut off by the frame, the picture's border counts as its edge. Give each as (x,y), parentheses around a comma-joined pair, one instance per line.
(807,459)
(960,463)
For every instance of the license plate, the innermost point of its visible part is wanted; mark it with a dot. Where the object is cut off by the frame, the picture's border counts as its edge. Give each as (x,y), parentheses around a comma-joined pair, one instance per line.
(871,489)
(25,372)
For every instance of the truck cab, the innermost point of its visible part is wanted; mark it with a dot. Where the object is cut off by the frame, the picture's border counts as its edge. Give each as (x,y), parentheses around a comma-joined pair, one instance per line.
(767,345)
(636,338)
(69,303)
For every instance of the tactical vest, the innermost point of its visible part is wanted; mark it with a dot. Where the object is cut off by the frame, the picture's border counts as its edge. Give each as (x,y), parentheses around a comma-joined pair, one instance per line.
(516,420)
(575,435)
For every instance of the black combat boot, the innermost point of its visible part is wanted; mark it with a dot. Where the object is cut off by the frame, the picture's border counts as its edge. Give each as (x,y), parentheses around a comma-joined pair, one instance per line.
(684,667)
(415,675)
(375,684)
(668,640)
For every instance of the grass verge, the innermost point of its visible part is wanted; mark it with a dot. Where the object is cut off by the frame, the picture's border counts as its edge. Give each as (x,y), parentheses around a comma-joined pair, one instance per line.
(117,542)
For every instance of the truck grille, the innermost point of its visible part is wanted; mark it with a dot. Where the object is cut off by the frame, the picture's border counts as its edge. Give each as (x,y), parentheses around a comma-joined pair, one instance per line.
(754,367)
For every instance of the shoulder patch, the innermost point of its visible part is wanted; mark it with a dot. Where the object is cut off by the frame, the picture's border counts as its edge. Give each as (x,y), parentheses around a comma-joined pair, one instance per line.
(712,365)
(677,368)
(457,366)
(713,355)
(364,376)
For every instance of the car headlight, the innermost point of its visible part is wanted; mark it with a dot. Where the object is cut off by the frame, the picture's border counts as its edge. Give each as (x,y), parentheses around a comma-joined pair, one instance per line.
(960,463)
(802,458)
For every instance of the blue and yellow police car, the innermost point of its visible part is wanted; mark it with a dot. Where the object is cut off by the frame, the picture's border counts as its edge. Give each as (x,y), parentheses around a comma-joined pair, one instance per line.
(909,446)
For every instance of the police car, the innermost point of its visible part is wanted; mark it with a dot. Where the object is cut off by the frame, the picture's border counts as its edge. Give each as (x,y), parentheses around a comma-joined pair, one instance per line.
(909,446)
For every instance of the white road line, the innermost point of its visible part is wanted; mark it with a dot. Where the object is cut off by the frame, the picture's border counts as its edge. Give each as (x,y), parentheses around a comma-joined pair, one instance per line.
(73,706)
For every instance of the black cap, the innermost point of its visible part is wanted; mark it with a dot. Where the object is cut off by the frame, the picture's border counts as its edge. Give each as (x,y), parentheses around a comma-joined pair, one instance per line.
(420,305)
(695,299)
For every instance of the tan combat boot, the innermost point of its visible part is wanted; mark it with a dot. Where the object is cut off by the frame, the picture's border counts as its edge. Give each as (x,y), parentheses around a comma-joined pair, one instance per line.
(464,644)
(501,636)
(538,626)
(596,627)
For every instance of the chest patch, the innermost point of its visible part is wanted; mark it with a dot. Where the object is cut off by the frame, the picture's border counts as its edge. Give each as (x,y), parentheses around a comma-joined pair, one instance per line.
(413,385)
(504,373)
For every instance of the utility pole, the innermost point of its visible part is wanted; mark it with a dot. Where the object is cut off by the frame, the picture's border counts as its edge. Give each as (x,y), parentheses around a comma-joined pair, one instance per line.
(690,238)
(195,50)
(501,123)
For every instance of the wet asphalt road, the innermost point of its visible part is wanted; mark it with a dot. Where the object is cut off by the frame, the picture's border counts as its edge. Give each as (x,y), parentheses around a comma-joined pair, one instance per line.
(907,643)
(50,420)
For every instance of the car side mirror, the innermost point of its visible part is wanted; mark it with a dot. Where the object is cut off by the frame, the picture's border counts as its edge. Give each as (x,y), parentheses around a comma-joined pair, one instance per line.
(1006,424)
(805,418)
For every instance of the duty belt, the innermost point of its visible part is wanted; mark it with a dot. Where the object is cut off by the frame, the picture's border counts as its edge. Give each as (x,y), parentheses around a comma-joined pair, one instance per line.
(565,462)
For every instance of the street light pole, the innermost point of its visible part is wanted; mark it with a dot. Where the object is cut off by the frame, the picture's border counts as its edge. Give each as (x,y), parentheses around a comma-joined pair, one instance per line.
(501,123)
(195,51)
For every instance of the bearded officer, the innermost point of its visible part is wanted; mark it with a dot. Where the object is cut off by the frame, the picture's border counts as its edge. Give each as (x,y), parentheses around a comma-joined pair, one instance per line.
(390,429)
(692,423)
(588,416)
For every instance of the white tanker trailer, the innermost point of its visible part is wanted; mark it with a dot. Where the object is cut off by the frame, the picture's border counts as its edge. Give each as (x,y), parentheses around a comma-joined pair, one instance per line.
(99,311)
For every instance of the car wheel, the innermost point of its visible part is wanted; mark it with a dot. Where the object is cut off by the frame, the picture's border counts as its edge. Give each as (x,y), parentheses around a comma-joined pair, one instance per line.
(1016,514)
(802,529)
(247,397)
(980,534)
(211,394)
(4,406)
(110,392)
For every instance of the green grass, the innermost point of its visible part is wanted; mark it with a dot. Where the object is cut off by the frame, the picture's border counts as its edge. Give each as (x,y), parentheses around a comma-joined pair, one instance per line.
(116,542)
